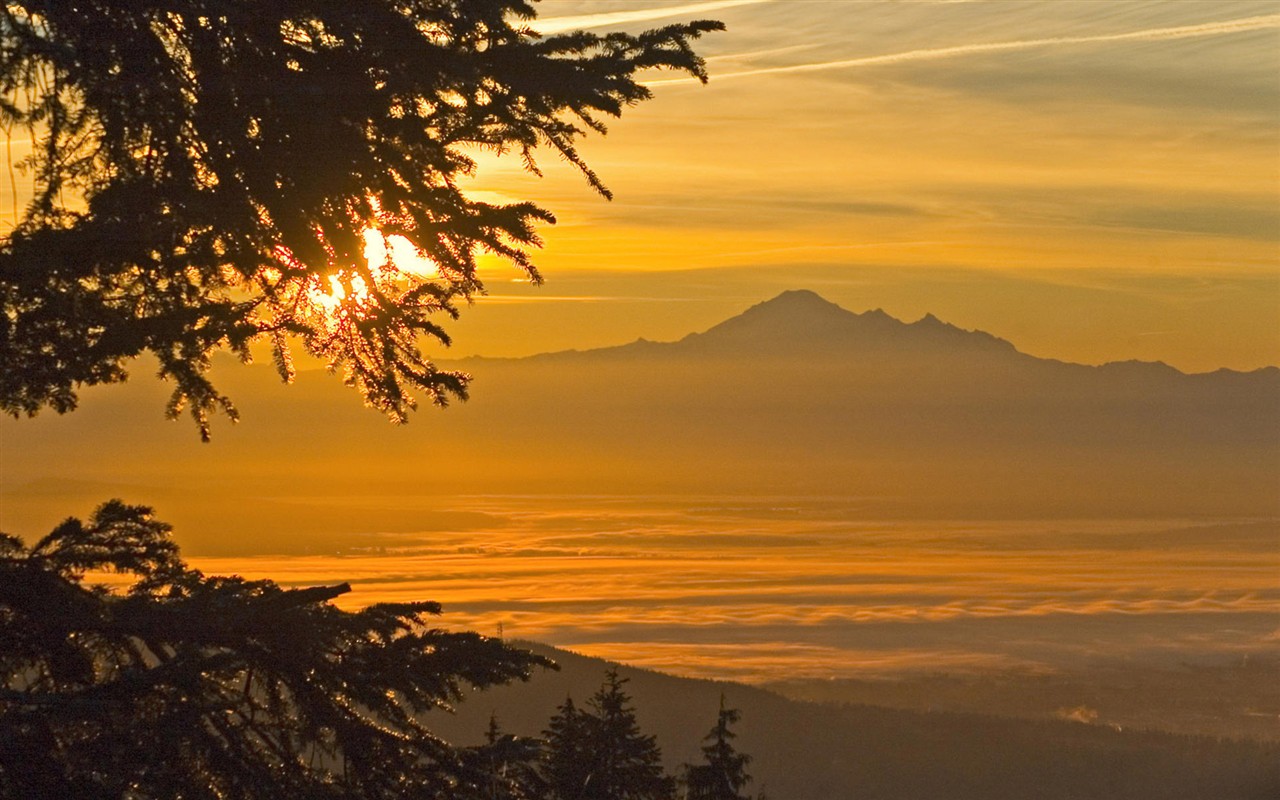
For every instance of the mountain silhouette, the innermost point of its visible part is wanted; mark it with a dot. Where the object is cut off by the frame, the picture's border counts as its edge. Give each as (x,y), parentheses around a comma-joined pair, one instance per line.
(795,395)
(801,322)
(803,319)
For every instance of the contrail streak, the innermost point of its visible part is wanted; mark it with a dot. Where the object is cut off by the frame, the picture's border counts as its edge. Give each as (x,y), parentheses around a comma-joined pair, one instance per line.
(1150,35)
(562,24)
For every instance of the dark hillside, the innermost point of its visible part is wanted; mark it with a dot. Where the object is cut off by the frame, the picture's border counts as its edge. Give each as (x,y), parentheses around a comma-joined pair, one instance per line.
(805,751)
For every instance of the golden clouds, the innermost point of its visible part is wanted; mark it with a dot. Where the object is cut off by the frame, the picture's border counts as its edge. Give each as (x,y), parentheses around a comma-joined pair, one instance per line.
(736,587)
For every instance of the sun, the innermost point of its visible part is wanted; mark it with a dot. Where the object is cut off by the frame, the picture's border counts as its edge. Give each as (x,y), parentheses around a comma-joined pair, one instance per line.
(391,260)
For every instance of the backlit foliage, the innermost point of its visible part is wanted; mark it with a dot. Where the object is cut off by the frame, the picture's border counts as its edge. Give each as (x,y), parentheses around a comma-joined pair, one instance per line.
(206,172)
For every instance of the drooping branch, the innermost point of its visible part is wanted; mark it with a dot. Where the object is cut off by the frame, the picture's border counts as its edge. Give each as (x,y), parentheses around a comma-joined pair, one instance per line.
(180,682)
(208,175)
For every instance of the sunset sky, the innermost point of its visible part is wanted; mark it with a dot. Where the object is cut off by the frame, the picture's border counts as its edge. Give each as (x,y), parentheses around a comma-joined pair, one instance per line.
(1092,180)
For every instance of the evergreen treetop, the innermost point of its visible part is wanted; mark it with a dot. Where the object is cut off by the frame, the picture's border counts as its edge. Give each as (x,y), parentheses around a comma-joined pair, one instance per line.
(511,763)
(601,754)
(627,763)
(724,773)
(567,764)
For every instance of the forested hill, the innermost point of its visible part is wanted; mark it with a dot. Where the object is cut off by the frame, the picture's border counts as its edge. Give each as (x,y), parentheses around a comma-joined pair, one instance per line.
(806,751)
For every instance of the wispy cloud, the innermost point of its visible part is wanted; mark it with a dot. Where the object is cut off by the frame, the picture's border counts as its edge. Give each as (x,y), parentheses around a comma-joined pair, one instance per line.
(508,299)
(544,298)
(765,661)
(805,248)
(725,590)
(586,21)
(1222,28)
(771,51)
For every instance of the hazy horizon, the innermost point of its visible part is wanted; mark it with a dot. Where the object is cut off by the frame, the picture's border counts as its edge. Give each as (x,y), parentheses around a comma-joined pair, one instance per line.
(769,487)
(848,557)
(896,387)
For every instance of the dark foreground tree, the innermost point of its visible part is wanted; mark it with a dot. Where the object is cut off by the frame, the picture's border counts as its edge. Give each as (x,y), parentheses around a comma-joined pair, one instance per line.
(566,762)
(724,773)
(601,754)
(627,763)
(210,173)
(183,685)
(511,765)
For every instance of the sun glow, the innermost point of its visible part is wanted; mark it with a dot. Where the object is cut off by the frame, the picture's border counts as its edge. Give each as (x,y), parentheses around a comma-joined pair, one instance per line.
(392,260)
(398,252)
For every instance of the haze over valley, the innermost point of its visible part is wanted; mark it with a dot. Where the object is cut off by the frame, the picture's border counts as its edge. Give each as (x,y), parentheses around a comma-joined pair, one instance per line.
(798,491)
(894,384)
(794,396)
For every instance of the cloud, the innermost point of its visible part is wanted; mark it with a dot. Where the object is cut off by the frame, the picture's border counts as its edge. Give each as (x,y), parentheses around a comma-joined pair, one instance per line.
(1083,714)
(1241,215)
(1260,222)
(586,21)
(545,298)
(733,587)
(761,662)
(1147,35)
(752,54)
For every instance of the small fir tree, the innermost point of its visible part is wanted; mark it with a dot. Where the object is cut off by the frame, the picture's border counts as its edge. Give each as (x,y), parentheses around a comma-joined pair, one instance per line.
(724,774)
(600,754)
(510,766)
(627,765)
(565,761)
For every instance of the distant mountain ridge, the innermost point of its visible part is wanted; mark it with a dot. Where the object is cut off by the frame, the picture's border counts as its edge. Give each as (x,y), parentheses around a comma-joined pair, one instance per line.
(793,396)
(801,318)
(799,394)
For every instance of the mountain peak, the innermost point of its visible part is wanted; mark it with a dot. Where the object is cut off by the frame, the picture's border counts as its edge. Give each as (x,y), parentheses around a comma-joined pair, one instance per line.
(801,320)
(798,301)
(791,311)
(799,296)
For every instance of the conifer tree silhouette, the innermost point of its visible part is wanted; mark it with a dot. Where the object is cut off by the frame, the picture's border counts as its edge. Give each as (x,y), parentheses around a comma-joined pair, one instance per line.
(511,765)
(629,762)
(192,686)
(601,754)
(724,773)
(566,762)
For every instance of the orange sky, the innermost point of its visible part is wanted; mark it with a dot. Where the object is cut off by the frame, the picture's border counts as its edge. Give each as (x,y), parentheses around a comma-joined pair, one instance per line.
(1092,181)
